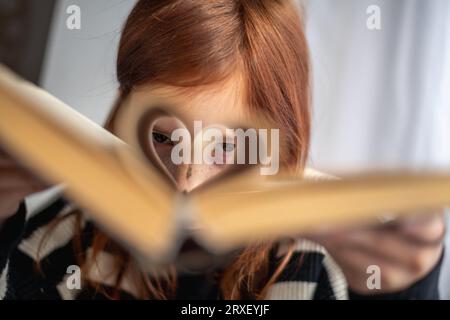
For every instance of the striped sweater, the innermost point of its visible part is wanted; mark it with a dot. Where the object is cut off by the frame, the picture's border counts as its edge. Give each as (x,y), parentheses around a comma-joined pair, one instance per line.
(310,274)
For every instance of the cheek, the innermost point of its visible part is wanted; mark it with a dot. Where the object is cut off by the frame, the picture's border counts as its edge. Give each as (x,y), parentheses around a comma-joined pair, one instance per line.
(164,154)
(205,172)
(198,175)
(223,156)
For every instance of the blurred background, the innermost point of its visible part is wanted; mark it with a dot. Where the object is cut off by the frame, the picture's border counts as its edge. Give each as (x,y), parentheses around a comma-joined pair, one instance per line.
(381,96)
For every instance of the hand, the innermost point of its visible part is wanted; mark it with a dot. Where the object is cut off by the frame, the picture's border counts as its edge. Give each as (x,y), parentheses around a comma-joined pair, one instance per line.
(15,184)
(405,251)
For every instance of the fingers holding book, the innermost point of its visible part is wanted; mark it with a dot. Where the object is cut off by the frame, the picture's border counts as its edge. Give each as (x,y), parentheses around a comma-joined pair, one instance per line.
(403,251)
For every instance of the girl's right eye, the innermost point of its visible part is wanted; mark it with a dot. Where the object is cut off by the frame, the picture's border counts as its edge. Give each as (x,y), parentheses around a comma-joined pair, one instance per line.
(161,138)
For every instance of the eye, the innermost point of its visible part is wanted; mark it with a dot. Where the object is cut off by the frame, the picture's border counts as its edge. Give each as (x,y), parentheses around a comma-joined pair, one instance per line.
(161,138)
(228,147)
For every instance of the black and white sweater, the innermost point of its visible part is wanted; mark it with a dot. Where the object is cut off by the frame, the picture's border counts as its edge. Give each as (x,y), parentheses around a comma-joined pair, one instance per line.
(318,276)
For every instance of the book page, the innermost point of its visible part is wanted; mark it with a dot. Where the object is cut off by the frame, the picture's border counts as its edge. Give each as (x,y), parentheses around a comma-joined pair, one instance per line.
(251,209)
(61,146)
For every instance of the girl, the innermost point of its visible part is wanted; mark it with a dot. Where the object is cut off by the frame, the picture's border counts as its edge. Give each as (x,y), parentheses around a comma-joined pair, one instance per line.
(224,61)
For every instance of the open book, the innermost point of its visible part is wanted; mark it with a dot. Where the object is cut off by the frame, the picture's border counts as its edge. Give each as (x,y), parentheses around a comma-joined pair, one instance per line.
(125,193)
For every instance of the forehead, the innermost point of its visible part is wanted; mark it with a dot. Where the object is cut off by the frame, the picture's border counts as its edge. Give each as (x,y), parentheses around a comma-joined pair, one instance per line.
(222,103)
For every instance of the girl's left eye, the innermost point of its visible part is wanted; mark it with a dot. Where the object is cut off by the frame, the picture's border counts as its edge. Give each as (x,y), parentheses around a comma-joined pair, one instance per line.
(228,147)
(161,138)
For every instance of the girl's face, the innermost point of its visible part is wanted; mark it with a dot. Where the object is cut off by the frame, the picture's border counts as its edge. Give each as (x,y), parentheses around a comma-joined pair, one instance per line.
(214,105)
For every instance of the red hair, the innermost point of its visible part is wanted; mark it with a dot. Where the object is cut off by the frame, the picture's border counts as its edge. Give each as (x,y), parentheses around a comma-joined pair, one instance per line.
(189,44)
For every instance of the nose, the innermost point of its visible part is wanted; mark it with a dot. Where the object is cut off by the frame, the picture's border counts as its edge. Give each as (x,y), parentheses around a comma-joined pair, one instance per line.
(193,175)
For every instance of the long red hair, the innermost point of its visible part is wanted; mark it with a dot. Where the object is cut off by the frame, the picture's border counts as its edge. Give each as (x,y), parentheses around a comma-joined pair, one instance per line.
(188,44)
